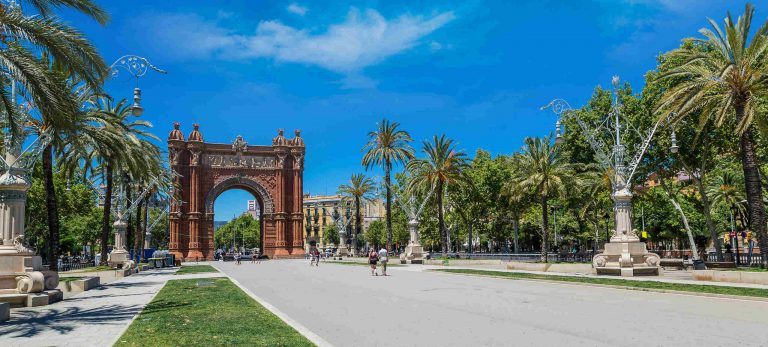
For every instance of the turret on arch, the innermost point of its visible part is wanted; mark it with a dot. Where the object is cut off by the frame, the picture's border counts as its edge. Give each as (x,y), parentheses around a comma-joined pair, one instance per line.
(274,174)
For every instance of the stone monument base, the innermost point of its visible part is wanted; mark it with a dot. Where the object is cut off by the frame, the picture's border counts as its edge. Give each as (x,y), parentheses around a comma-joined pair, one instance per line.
(413,254)
(120,260)
(342,252)
(626,259)
(23,282)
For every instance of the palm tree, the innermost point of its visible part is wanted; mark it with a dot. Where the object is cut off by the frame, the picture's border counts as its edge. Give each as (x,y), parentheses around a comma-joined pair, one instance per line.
(726,189)
(542,170)
(442,167)
(31,42)
(387,146)
(725,80)
(359,189)
(114,146)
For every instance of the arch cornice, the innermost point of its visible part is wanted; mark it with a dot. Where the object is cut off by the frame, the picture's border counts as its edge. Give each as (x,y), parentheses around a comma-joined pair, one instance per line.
(240,182)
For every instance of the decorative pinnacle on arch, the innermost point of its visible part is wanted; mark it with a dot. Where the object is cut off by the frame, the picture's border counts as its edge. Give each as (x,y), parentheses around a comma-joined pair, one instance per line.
(195,135)
(176,134)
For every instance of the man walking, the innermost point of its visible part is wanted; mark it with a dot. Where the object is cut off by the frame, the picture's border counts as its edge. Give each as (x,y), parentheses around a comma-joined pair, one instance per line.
(383,259)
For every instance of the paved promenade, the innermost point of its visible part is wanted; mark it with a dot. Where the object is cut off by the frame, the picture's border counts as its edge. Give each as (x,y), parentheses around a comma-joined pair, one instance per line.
(346,306)
(93,318)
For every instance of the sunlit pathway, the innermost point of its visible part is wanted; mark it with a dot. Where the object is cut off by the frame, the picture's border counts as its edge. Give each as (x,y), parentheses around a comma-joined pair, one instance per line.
(347,307)
(94,318)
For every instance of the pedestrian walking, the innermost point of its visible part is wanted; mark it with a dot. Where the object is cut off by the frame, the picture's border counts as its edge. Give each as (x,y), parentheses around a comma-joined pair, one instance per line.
(373,258)
(237,258)
(383,257)
(317,257)
(311,255)
(253,258)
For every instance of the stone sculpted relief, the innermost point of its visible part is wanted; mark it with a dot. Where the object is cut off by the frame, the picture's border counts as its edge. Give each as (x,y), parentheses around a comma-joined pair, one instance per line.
(250,162)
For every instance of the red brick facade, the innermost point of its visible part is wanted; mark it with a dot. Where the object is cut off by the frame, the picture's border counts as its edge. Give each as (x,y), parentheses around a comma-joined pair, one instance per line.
(273,174)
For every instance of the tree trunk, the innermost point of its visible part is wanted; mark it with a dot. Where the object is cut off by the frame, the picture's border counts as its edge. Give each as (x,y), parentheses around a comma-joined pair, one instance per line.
(387,178)
(146,226)
(52,208)
(708,218)
(358,223)
(679,209)
(544,229)
(753,185)
(105,222)
(516,229)
(440,218)
(137,236)
(129,222)
(469,231)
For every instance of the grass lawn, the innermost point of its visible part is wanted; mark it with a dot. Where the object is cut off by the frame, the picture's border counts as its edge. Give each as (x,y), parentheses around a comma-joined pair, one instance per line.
(216,314)
(626,284)
(193,269)
(745,269)
(69,279)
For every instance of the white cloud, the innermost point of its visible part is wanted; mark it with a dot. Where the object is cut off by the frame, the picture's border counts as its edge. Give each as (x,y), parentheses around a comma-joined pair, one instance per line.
(297,9)
(363,39)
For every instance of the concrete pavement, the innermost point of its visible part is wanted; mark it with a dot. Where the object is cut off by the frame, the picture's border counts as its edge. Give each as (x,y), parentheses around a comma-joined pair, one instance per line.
(346,306)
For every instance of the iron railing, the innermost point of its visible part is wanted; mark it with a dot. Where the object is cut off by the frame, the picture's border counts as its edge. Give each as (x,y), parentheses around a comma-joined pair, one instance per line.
(521,257)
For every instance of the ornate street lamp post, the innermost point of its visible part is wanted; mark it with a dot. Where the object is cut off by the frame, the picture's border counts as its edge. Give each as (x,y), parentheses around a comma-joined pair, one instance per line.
(137,67)
(624,255)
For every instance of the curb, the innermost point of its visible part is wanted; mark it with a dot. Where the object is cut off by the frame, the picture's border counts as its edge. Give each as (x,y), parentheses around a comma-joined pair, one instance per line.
(665,291)
(314,338)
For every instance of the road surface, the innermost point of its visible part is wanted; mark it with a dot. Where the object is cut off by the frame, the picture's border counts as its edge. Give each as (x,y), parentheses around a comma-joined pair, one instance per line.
(346,306)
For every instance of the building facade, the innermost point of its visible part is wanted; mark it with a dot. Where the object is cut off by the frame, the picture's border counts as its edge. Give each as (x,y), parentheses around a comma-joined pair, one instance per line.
(318,215)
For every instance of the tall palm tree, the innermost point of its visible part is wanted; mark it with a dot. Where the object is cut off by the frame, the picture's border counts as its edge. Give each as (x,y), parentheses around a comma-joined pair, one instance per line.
(442,167)
(360,189)
(726,80)
(542,170)
(387,146)
(41,56)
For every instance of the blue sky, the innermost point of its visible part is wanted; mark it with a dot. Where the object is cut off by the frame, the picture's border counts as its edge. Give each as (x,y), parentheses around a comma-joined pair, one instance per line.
(477,71)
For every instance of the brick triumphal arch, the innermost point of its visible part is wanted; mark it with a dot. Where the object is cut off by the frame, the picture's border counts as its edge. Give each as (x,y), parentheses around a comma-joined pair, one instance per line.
(273,174)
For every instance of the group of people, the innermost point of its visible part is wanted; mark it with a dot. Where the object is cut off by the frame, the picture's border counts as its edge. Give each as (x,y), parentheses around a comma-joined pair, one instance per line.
(314,256)
(254,258)
(375,257)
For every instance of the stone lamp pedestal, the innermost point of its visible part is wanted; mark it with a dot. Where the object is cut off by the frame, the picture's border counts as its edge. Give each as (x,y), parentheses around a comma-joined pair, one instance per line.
(625,255)
(119,257)
(414,253)
(23,282)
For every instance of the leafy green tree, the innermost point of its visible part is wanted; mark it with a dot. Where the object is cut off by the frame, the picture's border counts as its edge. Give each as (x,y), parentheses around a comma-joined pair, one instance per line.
(387,146)
(331,235)
(243,231)
(376,234)
(727,80)
(442,168)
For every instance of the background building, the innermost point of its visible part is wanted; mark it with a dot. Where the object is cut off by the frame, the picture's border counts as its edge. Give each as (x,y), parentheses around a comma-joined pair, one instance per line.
(253,209)
(323,205)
